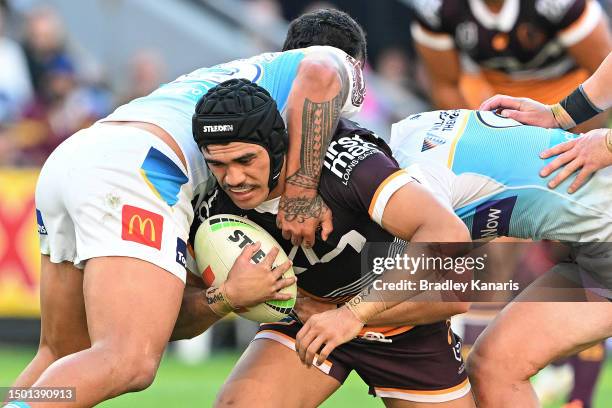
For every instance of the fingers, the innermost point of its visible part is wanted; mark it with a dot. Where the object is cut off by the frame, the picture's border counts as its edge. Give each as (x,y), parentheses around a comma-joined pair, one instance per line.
(270,257)
(303,340)
(558,149)
(248,251)
(580,179)
(323,354)
(279,270)
(561,160)
(281,296)
(567,171)
(327,225)
(312,350)
(283,283)
(308,237)
(500,101)
(513,114)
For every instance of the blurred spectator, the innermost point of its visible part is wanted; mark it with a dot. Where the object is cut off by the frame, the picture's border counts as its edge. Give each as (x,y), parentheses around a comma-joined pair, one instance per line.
(146,72)
(539,49)
(44,41)
(62,107)
(15,85)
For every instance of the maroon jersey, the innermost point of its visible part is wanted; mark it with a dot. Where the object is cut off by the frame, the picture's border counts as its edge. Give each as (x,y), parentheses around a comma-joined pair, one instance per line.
(358,178)
(526,39)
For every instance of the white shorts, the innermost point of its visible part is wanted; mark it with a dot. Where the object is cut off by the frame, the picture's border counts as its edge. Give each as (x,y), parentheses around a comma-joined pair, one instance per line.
(115,191)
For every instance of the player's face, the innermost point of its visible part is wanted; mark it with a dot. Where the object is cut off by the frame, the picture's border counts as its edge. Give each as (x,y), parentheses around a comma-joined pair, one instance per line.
(242,170)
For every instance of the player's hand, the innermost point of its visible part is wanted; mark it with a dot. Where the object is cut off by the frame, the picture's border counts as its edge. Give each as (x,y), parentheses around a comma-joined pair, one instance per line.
(522,110)
(250,284)
(300,212)
(325,331)
(305,307)
(585,155)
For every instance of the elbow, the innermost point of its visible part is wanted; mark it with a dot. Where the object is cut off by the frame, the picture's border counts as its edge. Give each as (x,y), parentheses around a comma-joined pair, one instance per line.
(321,76)
(461,307)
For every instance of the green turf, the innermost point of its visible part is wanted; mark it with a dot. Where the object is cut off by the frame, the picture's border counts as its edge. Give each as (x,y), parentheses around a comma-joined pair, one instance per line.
(181,385)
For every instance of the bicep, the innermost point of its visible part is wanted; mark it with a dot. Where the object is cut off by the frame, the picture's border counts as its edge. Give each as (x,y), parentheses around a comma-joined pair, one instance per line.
(413,213)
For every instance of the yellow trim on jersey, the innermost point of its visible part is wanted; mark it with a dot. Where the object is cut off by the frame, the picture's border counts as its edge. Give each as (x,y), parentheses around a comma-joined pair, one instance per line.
(451,153)
(384,192)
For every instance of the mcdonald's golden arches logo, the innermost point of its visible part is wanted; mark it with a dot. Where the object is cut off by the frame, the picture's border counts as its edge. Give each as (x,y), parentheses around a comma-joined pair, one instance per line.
(142,226)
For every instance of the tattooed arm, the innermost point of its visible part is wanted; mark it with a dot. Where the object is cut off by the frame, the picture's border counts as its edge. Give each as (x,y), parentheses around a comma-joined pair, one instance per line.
(319,91)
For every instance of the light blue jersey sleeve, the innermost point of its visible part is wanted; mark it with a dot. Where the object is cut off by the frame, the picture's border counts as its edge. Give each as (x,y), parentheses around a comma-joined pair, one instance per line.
(496,188)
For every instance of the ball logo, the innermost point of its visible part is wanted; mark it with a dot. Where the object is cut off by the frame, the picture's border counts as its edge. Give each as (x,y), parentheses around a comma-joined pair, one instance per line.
(243,240)
(142,226)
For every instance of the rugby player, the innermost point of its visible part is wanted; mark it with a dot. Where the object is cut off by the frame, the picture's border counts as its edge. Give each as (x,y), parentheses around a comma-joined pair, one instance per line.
(114,208)
(589,153)
(473,49)
(369,195)
(485,167)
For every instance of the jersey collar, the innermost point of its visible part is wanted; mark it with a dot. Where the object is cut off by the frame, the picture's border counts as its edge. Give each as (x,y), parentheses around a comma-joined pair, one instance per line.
(502,21)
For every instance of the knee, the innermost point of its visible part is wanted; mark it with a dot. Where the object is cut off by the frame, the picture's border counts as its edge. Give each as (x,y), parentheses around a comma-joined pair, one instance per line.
(140,371)
(225,398)
(129,369)
(488,364)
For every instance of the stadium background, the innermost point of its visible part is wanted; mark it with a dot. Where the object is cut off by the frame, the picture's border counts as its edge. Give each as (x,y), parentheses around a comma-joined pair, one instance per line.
(68,63)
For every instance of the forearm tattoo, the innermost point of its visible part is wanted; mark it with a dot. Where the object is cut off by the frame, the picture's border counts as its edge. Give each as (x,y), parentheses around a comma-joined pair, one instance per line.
(302,208)
(319,122)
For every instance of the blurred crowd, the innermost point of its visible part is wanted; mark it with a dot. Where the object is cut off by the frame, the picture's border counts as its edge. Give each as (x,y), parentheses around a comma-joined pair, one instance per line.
(47,92)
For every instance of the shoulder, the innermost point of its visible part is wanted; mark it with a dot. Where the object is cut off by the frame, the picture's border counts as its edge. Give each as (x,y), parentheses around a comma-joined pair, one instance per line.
(562,13)
(437,15)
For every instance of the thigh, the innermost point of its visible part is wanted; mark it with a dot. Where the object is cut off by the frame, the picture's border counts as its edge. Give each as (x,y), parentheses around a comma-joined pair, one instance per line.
(269,374)
(540,332)
(63,319)
(131,305)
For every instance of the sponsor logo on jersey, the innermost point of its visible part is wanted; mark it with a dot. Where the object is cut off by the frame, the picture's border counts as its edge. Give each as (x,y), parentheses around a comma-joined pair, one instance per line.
(359,89)
(446,121)
(42,230)
(181,252)
(345,153)
(431,141)
(492,218)
(217,128)
(142,226)
(466,35)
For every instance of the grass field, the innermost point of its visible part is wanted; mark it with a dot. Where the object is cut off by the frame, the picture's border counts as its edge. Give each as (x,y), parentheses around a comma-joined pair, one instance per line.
(181,385)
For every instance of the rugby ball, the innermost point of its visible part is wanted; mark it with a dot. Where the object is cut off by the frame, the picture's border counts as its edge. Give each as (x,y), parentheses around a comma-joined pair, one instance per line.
(220,240)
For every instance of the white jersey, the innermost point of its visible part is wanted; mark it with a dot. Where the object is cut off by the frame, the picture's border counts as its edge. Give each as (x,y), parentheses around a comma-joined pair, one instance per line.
(486,168)
(172,105)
